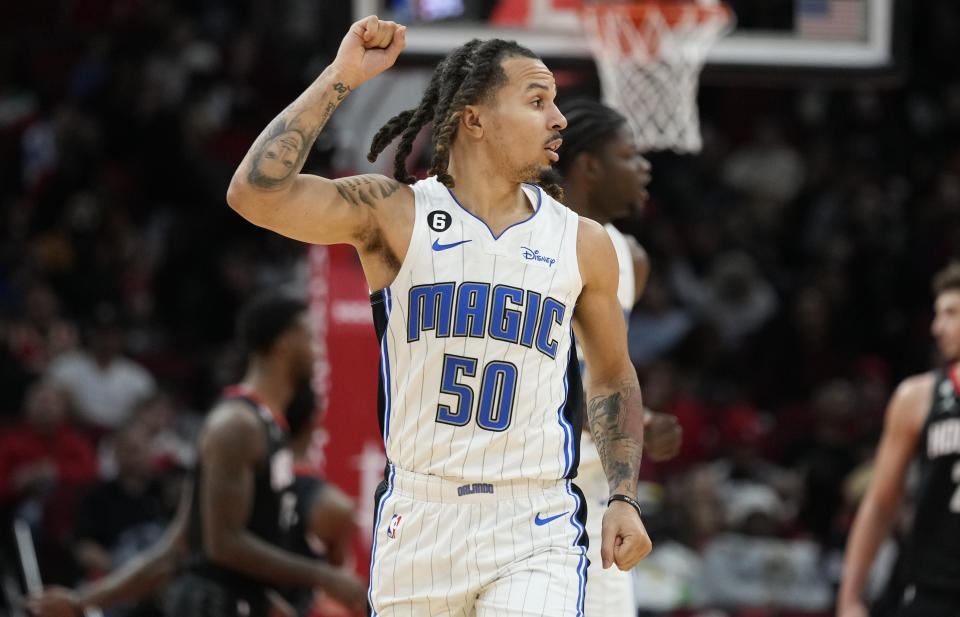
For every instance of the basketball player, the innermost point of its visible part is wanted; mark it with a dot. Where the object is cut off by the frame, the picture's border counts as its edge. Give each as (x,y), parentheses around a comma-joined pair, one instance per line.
(225,539)
(605,178)
(324,525)
(476,272)
(922,423)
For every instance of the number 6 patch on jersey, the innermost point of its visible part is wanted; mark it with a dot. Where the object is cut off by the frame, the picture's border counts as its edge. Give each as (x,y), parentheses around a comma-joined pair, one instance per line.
(392,528)
(438,220)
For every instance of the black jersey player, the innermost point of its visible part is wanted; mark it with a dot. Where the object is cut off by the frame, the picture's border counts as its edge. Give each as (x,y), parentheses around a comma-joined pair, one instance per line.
(922,424)
(226,541)
(323,526)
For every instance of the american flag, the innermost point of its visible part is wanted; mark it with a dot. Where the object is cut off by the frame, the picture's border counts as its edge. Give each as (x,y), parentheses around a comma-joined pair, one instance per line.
(831,19)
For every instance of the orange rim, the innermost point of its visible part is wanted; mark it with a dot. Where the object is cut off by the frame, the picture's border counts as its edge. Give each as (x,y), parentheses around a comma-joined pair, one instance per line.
(672,12)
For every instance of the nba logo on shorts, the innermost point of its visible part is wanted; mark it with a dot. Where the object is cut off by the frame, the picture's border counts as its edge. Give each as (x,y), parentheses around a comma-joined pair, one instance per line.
(392,527)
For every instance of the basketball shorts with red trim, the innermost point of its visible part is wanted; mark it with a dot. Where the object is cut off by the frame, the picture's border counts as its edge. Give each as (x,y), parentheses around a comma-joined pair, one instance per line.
(448,548)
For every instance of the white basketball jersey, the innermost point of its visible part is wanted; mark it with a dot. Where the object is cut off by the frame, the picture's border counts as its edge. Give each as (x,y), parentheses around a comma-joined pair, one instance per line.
(609,592)
(627,285)
(475,336)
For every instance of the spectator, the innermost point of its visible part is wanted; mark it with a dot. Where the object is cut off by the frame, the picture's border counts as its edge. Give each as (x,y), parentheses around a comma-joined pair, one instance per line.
(105,385)
(171,432)
(657,324)
(41,333)
(44,463)
(44,452)
(746,481)
(767,168)
(734,299)
(123,514)
(826,458)
(14,376)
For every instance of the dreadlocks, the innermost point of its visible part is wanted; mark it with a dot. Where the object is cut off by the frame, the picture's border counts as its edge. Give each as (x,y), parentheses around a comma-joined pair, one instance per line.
(467,76)
(589,125)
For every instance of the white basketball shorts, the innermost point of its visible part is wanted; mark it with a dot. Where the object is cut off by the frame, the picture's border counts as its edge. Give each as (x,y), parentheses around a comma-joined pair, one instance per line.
(505,549)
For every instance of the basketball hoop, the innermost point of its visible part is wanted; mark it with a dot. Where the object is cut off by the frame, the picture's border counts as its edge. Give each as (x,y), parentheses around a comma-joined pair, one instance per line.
(649,55)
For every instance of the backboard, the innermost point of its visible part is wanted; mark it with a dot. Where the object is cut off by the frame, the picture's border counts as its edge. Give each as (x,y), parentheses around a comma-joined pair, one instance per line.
(799,34)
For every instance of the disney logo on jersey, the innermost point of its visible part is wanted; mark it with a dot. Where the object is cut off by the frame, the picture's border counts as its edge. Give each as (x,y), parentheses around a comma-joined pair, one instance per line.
(534,255)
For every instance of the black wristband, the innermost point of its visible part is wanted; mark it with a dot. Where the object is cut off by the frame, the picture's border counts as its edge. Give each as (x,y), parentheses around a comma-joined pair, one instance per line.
(626,498)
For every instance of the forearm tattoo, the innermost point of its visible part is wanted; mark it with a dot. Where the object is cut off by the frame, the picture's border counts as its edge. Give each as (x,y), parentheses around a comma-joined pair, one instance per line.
(279,153)
(616,421)
(367,189)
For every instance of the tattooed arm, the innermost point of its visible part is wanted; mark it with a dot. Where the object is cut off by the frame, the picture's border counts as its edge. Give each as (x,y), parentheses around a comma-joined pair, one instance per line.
(268,189)
(614,405)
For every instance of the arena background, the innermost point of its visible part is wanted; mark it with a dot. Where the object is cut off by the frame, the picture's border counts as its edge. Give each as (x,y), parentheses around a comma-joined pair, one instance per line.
(789,291)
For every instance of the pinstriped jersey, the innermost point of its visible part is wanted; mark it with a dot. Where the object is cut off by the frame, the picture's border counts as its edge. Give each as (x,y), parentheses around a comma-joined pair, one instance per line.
(475,337)
(626,288)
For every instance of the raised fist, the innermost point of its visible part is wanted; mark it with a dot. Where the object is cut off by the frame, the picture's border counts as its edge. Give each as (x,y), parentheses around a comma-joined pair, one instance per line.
(369,48)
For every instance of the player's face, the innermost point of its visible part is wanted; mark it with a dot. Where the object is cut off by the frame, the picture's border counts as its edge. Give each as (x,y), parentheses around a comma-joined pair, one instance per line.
(623,187)
(281,154)
(946,324)
(525,123)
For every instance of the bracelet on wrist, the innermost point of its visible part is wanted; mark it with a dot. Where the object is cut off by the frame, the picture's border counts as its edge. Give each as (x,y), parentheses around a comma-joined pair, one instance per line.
(626,499)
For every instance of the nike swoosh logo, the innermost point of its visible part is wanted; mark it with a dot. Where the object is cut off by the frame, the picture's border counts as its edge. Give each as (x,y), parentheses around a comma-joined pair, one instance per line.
(442,247)
(544,521)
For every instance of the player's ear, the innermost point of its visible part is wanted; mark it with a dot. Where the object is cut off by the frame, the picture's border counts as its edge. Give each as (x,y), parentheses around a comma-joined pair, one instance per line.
(470,121)
(588,164)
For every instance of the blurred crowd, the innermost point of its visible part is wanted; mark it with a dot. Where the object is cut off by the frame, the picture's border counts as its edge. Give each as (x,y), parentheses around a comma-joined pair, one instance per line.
(121,268)
(789,290)
(790,293)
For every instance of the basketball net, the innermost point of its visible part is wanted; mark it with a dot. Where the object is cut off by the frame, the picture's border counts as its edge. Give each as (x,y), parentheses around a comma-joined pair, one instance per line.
(649,55)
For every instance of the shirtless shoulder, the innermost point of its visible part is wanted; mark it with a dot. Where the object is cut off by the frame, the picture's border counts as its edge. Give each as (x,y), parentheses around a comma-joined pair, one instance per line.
(911,402)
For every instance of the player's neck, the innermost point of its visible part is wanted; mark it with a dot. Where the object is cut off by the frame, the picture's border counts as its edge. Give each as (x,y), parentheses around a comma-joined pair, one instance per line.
(271,382)
(487,193)
(578,199)
(299,445)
